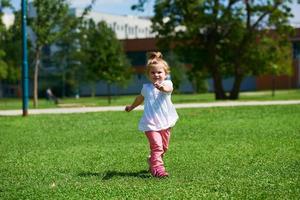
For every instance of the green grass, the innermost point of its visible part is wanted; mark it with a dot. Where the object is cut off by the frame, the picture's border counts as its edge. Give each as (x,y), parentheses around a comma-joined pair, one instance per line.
(215,153)
(6,104)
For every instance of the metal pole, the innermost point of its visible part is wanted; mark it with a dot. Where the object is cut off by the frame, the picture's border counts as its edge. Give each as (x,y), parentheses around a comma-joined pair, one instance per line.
(25,78)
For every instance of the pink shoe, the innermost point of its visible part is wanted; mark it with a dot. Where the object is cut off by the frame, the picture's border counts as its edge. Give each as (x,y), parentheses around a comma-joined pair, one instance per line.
(160,173)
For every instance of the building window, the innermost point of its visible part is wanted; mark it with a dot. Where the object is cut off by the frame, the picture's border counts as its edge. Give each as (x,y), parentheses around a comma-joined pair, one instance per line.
(114,26)
(296,50)
(137,58)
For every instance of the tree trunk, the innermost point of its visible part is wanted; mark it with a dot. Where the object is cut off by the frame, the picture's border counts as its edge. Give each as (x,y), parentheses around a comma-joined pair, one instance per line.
(213,66)
(218,85)
(234,93)
(36,76)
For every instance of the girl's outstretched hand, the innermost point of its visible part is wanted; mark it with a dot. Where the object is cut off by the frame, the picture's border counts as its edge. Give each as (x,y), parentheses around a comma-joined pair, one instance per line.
(162,87)
(158,85)
(128,108)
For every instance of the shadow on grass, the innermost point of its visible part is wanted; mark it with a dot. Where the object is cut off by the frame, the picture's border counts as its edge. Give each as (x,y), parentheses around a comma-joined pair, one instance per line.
(110,174)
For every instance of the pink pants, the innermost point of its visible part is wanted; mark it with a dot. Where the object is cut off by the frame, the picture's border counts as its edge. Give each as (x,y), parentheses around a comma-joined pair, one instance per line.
(159,143)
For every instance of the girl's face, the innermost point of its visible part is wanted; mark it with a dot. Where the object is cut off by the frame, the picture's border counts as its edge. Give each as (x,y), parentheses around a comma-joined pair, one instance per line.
(157,74)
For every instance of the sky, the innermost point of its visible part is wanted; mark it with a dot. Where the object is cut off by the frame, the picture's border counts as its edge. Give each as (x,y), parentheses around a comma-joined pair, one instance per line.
(118,7)
(123,7)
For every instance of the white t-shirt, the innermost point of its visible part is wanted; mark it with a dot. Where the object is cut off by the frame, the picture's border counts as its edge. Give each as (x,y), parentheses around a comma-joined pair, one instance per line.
(159,112)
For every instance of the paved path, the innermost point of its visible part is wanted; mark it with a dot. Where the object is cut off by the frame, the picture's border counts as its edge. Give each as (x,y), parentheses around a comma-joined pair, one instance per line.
(121,108)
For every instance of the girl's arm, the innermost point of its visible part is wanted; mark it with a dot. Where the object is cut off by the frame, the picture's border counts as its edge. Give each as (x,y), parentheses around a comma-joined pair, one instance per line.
(138,101)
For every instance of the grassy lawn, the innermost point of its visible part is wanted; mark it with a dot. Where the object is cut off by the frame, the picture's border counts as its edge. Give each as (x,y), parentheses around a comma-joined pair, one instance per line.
(215,153)
(6,104)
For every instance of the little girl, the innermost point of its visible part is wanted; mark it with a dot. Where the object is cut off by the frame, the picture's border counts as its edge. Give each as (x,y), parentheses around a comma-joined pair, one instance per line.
(159,112)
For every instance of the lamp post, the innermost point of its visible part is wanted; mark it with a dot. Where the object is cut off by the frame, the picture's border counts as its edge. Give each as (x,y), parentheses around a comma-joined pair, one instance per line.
(25,78)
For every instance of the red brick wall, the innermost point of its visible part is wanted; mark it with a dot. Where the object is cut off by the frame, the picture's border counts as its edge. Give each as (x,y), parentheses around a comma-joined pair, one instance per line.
(281,82)
(148,44)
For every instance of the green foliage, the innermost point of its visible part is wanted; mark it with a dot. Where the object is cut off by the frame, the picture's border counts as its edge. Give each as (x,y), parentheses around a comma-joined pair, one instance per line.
(177,69)
(3,66)
(50,22)
(215,153)
(198,81)
(270,56)
(4,4)
(3,32)
(66,59)
(226,38)
(13,43)
(139,6)
(102,54)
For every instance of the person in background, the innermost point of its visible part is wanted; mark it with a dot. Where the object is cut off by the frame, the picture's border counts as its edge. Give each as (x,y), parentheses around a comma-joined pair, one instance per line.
(50,96)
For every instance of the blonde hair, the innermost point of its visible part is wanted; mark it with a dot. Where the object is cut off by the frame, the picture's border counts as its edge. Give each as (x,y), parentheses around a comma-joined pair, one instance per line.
(154,59)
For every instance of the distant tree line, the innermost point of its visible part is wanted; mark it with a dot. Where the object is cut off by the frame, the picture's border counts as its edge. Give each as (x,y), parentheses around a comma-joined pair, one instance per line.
(217,39)
(85,51)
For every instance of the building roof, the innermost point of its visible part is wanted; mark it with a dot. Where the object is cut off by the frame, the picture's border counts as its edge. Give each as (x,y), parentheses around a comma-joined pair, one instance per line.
(125,26)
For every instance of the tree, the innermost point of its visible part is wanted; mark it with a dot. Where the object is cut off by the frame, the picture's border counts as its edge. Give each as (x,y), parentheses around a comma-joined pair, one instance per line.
(226,38)
(3,66)
(68,62)
(3,33)
(102,55)
(177,69)
(9,49)
(50,22)
(13,42)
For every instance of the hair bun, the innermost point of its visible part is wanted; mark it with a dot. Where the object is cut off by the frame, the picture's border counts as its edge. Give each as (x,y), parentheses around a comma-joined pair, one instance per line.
(155,55)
